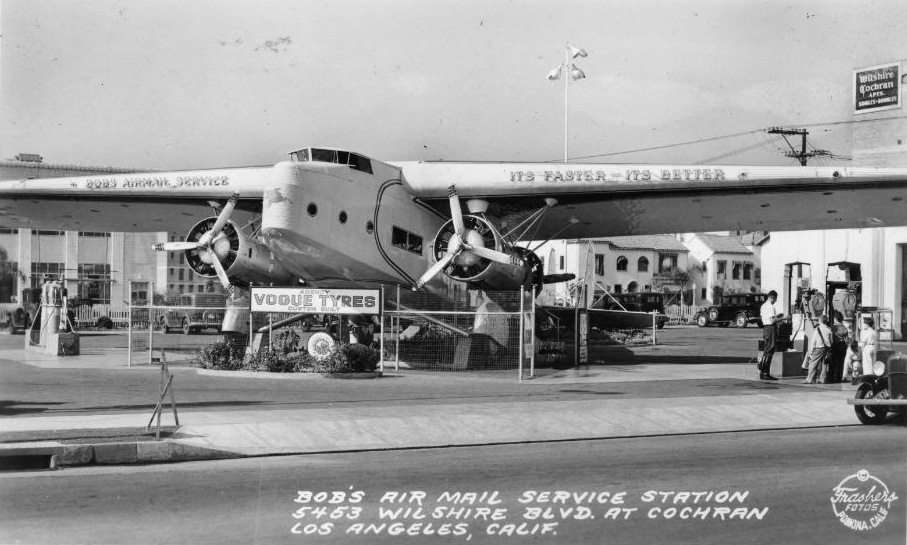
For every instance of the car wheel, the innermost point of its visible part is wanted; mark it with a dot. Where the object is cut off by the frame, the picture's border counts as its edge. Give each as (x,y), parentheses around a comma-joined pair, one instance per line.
(740,320)
(713,314)
(869,414)
(702,320)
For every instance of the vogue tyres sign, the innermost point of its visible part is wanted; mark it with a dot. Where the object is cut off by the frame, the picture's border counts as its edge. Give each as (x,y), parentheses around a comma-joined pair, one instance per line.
(877,88)
(315,301)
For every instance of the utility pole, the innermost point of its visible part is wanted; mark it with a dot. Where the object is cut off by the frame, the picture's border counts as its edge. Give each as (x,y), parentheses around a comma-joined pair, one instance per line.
(802,155)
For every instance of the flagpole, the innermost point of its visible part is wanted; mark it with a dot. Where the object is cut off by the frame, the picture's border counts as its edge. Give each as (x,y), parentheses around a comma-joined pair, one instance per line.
(566,94)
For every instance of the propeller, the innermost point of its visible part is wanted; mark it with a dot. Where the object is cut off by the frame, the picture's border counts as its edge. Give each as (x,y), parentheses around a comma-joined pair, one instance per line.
(209,243)
(465,247)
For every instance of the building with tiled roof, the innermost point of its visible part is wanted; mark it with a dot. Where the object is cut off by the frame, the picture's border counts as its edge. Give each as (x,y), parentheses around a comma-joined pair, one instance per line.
(613,265)
(722,265)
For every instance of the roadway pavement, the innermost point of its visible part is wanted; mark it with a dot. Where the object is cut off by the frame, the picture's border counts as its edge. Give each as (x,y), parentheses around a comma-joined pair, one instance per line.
(664,390)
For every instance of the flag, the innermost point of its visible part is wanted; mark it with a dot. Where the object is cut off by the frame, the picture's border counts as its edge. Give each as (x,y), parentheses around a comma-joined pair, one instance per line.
(576,51)
(556,73)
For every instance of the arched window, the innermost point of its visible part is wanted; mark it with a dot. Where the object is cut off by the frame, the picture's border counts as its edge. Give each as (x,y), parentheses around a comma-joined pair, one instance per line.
(642,265)
(622,263)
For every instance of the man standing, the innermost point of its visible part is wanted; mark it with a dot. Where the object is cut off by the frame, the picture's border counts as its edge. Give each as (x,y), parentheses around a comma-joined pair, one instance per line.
(770,314)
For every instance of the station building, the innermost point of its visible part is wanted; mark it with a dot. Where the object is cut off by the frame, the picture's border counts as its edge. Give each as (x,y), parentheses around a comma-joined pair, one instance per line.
(879,140)
(96,267)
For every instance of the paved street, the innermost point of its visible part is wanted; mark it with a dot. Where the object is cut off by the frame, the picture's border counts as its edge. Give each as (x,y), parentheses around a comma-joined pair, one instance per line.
(787,476)
(687,415)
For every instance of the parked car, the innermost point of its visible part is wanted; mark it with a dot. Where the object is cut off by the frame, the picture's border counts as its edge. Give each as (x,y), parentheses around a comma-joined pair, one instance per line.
(196,312)
(20,318)
(739,309)
(882,391)
(638,301)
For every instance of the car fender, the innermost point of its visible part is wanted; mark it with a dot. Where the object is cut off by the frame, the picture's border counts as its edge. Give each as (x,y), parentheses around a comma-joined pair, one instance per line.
(878,382)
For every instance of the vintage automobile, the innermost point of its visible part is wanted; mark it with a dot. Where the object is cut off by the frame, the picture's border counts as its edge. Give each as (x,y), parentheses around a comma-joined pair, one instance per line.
(194,312)
(883,391)
(739,309)
(633,303)
(20,318)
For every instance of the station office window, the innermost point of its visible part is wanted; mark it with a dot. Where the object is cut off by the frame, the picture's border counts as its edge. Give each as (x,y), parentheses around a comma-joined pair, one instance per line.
(747,271)
(8,281)
(40,270)
(642,265)
(599,264)
(621,265)
(722,267)
(735,271)
(403,239)
(560,261)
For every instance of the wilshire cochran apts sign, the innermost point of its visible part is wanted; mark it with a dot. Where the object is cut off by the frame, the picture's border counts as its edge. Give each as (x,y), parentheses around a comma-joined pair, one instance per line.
(876,88)
(315,301)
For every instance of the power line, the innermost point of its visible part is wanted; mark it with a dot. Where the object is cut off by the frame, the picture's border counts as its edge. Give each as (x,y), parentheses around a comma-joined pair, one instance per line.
(734,135)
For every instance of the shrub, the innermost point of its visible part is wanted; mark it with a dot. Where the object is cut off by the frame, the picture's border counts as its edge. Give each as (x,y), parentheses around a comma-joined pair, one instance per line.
(230,356)
(360,357)
(222,355)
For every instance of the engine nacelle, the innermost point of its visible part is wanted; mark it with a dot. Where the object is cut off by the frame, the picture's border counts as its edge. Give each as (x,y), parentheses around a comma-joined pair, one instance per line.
(245,260)
(484,273)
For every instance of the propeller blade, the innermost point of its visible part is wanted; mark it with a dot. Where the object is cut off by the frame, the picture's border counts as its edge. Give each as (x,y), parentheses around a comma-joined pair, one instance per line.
(222,274)
(175,246)
(456,213)
(493,255)
(225,214)
(435,269)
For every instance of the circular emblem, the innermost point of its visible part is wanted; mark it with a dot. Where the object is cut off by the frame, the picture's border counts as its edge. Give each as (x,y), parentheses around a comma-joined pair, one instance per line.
(861,501)
(320,345)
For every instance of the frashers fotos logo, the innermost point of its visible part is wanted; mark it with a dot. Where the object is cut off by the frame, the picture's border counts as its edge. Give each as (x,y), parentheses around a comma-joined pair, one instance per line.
(861,501)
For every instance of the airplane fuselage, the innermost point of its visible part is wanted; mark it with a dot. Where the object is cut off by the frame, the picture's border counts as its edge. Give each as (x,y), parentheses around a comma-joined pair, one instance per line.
(335,226)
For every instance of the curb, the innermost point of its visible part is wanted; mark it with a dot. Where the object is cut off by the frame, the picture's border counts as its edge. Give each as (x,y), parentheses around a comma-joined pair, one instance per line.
(143,452)
(289,376)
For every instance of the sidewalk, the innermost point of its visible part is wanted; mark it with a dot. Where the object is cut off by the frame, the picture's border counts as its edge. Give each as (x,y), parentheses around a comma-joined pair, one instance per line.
(398,424)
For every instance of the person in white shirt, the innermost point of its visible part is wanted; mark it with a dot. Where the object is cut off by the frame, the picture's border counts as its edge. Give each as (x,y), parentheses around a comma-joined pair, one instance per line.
(770,313)
(869,340)
(820,345)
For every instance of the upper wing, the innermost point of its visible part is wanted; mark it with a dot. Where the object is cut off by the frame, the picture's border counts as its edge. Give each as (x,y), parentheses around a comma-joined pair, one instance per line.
(154,201)
(611,200)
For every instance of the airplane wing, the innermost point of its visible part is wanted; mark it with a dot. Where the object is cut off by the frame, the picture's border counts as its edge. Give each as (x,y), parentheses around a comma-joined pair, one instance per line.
(595,200)
(152,201)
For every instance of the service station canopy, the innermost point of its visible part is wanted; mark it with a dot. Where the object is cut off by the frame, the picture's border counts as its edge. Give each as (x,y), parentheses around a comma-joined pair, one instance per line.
(316,300)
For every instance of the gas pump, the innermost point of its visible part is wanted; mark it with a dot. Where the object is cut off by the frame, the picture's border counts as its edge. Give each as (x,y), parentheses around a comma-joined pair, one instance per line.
(843,286)
(799,303)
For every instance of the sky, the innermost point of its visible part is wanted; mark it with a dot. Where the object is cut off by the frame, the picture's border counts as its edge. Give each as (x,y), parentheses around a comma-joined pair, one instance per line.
(167,85)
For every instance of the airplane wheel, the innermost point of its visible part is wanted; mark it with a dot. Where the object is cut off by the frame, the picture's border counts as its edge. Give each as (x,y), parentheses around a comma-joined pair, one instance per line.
(321,345)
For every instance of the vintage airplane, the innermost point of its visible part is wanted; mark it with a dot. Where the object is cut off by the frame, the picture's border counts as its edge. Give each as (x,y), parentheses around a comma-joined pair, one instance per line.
(332,218)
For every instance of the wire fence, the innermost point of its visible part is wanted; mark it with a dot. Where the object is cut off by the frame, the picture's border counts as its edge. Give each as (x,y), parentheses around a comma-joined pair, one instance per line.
(482,330)
(181,332)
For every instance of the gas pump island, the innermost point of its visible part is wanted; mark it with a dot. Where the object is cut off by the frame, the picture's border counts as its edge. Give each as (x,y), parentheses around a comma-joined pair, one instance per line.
(51,330)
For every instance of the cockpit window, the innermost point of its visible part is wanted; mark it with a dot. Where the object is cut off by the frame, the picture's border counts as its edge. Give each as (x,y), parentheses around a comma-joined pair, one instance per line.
(301,156)
(324,155)
(352,160)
